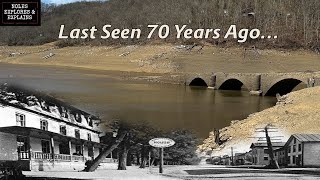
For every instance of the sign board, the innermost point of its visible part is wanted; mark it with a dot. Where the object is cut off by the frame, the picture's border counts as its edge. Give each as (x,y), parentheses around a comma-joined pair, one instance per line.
(161,142)
(20,12)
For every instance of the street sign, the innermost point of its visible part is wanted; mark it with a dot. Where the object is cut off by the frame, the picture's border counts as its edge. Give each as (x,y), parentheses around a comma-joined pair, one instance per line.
(161,142)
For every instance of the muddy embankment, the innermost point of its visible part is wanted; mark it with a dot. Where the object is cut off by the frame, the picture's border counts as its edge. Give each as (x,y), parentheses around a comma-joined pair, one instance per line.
(163,63)
(296,112)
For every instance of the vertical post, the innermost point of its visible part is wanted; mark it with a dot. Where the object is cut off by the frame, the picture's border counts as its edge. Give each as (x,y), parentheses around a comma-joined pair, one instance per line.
(92,152)
(82,151)
(70,149)
(161,161)
(29,148)
(232,156)
(149,159)
(52,147)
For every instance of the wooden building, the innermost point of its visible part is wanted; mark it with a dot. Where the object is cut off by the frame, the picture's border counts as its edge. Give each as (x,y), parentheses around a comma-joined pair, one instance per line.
(45,136)
(260,154)
(303,150)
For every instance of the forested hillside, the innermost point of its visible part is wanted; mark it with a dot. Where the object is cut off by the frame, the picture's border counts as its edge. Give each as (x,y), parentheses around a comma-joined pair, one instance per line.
(295,22)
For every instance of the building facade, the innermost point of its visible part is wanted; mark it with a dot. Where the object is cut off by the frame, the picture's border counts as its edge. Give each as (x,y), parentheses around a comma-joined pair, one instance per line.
(303,150)
(243,158)
(39,136)
(280,156)
(260,154)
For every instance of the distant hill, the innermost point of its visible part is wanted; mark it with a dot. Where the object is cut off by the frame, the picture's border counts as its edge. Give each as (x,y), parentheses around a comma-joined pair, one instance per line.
(297,23)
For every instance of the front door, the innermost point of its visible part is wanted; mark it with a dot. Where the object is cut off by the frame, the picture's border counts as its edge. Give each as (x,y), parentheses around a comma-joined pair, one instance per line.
(23,147)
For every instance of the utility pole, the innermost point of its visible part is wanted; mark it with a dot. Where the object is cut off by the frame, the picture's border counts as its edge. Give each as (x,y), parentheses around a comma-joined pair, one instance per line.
(268,129)
(273,162)
(232,162)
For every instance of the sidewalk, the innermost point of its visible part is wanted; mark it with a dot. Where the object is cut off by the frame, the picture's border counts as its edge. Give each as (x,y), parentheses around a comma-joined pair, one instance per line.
(132,173)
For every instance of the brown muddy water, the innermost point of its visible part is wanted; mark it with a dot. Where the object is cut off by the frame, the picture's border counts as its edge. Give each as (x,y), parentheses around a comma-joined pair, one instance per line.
(163,106)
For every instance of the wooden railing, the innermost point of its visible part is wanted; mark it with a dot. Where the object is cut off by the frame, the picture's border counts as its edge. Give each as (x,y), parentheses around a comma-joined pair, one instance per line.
(78,158)
(40,155)
(24,155)
(56,157)
(62,157)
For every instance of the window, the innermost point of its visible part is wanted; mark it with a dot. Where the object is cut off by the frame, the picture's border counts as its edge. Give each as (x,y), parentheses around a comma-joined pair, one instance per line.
(23,147)
(77,133)
(64,112)
(44,125)
(266,158)
(293,159)
(90,151)
(90,122)
(63,130)
(299,147)
(21,120)
(289,149)
(89,137)
(45,146)
(288,159)
(294,140)
(78,150)
(78,118)
(64,148)
(266,151)
(294,148)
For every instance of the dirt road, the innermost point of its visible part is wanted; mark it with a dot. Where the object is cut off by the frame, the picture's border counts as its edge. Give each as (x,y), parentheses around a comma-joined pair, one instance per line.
(221,172)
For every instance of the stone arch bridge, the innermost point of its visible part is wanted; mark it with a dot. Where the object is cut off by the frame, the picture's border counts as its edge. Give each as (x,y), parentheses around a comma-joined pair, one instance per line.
(268,84)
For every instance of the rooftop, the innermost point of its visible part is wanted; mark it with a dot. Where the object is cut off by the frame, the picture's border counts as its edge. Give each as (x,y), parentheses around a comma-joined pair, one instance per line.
(274,144)
(307,137)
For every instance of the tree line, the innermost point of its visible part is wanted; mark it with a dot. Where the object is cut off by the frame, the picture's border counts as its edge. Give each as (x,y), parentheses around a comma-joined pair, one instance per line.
(295,22)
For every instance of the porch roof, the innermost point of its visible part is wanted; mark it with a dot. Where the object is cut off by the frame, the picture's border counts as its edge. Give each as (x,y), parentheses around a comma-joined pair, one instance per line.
(38,133)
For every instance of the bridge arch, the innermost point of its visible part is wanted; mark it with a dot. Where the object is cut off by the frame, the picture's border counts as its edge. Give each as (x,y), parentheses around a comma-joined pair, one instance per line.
(232,84)
(284,86)
(198,82)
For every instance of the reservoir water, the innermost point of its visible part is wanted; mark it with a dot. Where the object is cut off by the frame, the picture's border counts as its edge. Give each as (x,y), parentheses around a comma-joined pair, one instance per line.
(164,106)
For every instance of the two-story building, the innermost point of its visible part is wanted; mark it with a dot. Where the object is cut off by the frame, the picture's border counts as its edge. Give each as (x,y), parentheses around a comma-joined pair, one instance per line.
(42,134)
(281,156)
(260,153)
(303,150)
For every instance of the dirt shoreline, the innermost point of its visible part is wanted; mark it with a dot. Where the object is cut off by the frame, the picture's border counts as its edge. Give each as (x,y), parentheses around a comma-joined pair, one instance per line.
(164,63)
(164,59)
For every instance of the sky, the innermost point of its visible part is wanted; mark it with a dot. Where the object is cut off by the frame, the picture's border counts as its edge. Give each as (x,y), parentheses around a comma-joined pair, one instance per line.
(62,1)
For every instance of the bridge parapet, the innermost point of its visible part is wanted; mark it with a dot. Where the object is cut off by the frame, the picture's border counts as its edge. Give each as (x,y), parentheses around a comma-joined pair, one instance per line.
(285,82)
(267,83)
(208,78)
(250,81)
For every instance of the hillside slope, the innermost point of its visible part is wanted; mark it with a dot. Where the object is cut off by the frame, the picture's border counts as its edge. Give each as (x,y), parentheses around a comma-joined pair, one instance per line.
(297,112)
(296,23)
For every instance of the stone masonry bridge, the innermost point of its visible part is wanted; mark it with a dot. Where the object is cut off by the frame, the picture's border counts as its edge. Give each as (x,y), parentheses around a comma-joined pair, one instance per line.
(268,84)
